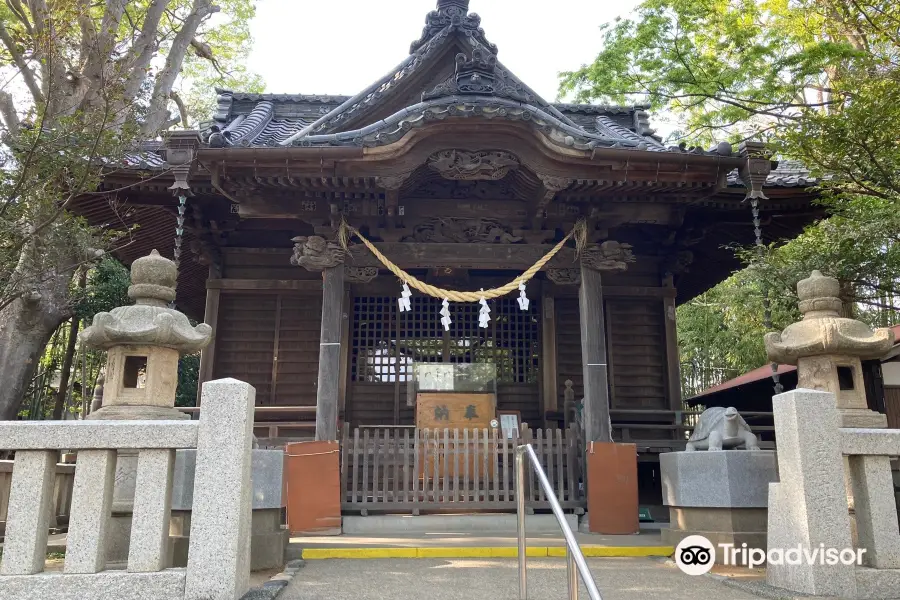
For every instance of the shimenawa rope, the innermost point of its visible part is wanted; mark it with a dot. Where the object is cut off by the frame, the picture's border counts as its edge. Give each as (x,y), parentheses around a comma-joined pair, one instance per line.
(579,233)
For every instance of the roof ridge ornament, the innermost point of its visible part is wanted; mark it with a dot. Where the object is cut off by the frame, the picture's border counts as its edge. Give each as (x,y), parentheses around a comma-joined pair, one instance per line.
(453,15)
(463,4)
(479,76)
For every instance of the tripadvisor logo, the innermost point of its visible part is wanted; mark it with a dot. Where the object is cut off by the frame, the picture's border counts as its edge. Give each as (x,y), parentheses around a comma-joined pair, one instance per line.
(696,555)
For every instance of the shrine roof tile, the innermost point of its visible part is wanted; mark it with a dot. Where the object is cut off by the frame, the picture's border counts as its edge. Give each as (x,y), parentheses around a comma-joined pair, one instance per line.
(789,173)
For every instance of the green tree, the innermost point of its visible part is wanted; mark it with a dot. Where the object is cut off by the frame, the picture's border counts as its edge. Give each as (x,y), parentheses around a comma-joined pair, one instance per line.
(817,80)
(720,332)
(83,83)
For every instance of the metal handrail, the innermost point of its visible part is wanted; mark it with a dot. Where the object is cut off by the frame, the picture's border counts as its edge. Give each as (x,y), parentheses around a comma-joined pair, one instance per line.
(575,564)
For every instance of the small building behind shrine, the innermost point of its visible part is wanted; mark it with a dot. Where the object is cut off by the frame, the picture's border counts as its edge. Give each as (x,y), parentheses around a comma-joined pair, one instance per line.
(462,177)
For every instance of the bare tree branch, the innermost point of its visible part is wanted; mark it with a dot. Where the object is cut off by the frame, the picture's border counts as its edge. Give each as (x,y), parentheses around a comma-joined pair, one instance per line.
(158,115)
(101,48)
(21,64)
(16,7)
(182,110)
(145,47)
(88,31)
(8,113)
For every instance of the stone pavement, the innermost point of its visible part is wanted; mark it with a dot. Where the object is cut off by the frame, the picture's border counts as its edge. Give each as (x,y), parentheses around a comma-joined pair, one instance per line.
(496,579)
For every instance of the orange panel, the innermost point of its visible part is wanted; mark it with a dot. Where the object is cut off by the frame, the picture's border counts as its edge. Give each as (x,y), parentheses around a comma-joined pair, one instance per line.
(612,494)
(439,410)
(313,487)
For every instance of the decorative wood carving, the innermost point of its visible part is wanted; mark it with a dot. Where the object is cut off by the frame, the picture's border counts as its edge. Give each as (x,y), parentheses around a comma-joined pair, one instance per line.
(355,274)
(314,253)
(608,256)
(555,184)
(545,194)
(679,262)
(392,182)
(473,166)
(471,231)
(569,276)
(464,190)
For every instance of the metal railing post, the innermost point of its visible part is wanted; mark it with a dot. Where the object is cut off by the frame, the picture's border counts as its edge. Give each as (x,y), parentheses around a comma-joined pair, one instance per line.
(575,556)
(572,573)
(520,520)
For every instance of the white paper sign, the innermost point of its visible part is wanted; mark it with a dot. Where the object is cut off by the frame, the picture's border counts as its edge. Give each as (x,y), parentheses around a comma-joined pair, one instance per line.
(509,424)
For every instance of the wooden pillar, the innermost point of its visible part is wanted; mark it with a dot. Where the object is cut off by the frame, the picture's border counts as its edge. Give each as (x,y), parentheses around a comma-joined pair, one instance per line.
(345,351)
(549,384)
(208,354)
(329,383)
(593,356)
(673,359)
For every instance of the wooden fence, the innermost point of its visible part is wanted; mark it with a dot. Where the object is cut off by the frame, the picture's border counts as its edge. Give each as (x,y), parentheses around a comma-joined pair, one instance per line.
(404,469)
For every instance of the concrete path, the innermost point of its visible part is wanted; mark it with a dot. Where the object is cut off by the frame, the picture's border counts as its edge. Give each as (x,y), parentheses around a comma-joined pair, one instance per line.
(475,540)
(496,579)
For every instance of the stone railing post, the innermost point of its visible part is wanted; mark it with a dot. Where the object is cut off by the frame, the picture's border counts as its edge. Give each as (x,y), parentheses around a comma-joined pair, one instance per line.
(219,554)
(25,547)
(808,507)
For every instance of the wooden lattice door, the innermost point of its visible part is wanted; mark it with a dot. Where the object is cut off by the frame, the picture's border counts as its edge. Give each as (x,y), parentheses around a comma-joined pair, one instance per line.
(386,342)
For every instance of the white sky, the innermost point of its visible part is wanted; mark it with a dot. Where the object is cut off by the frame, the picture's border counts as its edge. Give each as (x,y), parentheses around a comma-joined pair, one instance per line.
(342,46)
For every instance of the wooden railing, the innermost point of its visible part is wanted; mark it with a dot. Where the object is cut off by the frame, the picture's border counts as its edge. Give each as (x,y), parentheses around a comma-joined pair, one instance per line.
(654,431)
(668,431)
(403,469)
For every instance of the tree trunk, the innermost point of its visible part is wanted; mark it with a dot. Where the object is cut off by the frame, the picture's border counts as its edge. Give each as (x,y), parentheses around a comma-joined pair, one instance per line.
(66,369)
(26,326)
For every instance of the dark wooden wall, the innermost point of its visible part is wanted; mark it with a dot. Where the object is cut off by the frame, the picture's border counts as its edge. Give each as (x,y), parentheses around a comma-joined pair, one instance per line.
(892,406)
(270,340)
(636,339)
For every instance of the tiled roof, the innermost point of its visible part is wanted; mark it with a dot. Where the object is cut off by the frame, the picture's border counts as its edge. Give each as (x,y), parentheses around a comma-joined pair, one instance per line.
(492,90)
(299,98)
(789,173)
(599,109)
(147,156)
(480,87)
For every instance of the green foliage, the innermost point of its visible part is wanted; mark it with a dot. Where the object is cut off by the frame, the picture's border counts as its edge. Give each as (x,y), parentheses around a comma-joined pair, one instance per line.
(188,376)
(818,80)
(720,333)
(859,245)
(104,78)
(107,288)
(85,83)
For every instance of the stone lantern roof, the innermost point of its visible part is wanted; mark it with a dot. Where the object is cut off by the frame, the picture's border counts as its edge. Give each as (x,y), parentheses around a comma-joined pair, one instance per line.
(823,331)
(149,322)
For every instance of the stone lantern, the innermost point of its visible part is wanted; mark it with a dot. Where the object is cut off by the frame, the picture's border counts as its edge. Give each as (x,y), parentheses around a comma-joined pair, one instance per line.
(143,344)
(828,350)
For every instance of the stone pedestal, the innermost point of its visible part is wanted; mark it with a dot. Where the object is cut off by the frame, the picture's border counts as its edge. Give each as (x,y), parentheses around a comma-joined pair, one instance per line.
(721,495)
(269,536)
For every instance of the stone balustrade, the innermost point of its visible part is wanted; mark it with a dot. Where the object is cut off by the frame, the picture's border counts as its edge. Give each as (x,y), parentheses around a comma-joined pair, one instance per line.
(219,559)
(809,507)
(62,495)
